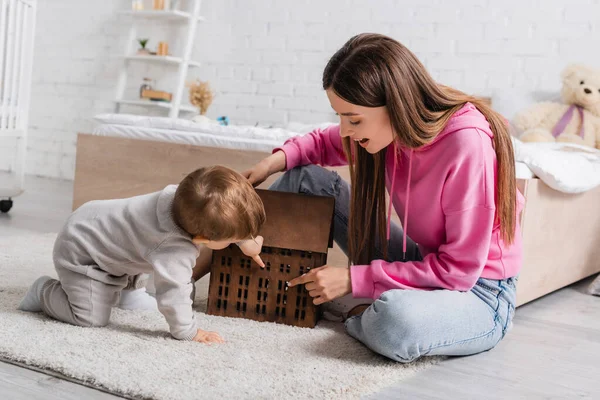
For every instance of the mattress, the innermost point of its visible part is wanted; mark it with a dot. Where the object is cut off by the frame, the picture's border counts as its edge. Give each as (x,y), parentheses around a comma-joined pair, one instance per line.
(212,135)
(194,138)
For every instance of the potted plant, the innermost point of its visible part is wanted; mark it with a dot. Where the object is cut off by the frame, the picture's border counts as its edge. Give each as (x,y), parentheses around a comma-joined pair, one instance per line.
(143,50)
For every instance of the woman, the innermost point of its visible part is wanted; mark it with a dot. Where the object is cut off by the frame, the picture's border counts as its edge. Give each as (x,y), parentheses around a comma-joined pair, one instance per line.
(445,285)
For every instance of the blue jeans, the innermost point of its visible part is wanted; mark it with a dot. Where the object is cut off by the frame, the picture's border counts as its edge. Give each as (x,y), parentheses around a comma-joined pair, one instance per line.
(407,324)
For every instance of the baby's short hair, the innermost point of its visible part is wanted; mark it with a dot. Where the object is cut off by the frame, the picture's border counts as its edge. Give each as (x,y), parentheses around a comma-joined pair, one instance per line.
(217,203)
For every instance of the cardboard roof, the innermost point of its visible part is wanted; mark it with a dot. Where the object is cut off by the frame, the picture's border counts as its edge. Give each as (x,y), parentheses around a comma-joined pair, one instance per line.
(297,221)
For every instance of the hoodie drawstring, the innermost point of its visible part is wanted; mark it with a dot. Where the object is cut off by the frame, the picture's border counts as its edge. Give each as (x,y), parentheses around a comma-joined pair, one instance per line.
(389,219)
(405,221)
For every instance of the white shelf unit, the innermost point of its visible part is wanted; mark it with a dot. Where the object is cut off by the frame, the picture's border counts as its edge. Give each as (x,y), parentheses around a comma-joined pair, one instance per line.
(183,62)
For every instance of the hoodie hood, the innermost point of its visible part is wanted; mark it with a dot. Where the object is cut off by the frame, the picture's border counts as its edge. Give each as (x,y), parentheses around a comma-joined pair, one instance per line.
(466,117)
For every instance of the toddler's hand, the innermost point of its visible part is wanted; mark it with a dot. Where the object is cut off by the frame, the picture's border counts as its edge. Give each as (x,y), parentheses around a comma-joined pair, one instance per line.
(207,337)
(251,248)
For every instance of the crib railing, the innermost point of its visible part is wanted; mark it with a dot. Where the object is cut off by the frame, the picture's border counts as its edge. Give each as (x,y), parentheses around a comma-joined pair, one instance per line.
(17,30)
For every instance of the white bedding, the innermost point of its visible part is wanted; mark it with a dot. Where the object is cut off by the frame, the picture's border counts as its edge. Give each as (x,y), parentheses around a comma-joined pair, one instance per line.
(212,135)
(568,168)
(193,138)
(189,132)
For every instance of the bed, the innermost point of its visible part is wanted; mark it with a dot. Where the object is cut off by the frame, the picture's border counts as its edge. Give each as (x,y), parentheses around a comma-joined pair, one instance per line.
(126,157)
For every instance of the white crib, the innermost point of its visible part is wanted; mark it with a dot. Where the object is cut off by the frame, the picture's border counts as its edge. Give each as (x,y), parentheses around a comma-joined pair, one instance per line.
(17,29)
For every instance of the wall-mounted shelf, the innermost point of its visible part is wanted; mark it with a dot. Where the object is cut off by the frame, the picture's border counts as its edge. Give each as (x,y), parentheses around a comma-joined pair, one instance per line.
(166,15)
(161,59)
(159,104)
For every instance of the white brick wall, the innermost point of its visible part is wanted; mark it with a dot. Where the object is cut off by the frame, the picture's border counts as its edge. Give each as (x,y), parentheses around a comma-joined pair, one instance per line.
(264,58)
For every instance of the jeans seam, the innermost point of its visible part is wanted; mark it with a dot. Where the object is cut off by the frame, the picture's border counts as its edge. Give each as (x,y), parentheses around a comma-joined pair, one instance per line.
(491,331)
(341,216)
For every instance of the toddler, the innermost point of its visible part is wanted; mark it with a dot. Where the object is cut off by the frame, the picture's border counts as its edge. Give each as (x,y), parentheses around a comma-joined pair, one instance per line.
(106,245)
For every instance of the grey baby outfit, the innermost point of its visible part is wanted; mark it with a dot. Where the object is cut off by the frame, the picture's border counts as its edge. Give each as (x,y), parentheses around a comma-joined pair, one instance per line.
(106,245)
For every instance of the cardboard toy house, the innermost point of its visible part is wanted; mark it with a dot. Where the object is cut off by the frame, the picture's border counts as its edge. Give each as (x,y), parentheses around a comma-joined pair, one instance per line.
(297,235)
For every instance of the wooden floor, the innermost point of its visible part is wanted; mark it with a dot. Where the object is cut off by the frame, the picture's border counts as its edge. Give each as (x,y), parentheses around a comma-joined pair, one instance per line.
(552,352)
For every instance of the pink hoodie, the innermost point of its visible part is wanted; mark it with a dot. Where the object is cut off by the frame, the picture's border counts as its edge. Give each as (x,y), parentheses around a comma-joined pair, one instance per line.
(444,193)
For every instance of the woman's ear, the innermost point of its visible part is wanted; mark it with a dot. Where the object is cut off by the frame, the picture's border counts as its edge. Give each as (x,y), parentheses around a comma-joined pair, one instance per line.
(200,240)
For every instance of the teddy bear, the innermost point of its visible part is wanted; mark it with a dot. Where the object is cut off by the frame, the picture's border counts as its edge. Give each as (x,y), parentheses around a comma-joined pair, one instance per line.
(577,120)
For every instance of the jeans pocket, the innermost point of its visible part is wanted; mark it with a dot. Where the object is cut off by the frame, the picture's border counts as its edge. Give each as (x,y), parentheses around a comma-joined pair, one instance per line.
(487,287)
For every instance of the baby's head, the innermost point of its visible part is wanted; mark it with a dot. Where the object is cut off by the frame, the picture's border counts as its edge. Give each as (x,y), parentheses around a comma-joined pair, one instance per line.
(217,206)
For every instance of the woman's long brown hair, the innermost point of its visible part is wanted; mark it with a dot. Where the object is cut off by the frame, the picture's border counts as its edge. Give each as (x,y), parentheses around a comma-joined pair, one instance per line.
(373,70)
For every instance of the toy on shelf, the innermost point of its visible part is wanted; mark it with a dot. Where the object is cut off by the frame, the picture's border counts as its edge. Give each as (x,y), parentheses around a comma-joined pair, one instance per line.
(297,235)
(160,5)
(162,49)
(146,85)
(148,92)
(137,5)
(157,95)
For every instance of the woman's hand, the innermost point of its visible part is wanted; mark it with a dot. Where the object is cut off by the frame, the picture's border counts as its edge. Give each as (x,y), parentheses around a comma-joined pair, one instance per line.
(265,168)
(325,283)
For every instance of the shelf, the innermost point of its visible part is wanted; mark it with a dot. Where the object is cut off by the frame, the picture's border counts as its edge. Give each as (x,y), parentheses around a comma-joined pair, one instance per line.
(158,104)
(161,59)
(156,14)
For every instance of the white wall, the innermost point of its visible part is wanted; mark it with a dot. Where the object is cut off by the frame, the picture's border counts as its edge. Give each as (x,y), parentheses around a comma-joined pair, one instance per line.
(264,58)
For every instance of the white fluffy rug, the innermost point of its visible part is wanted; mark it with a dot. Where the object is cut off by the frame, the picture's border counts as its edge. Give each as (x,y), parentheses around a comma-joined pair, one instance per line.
(135,357)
